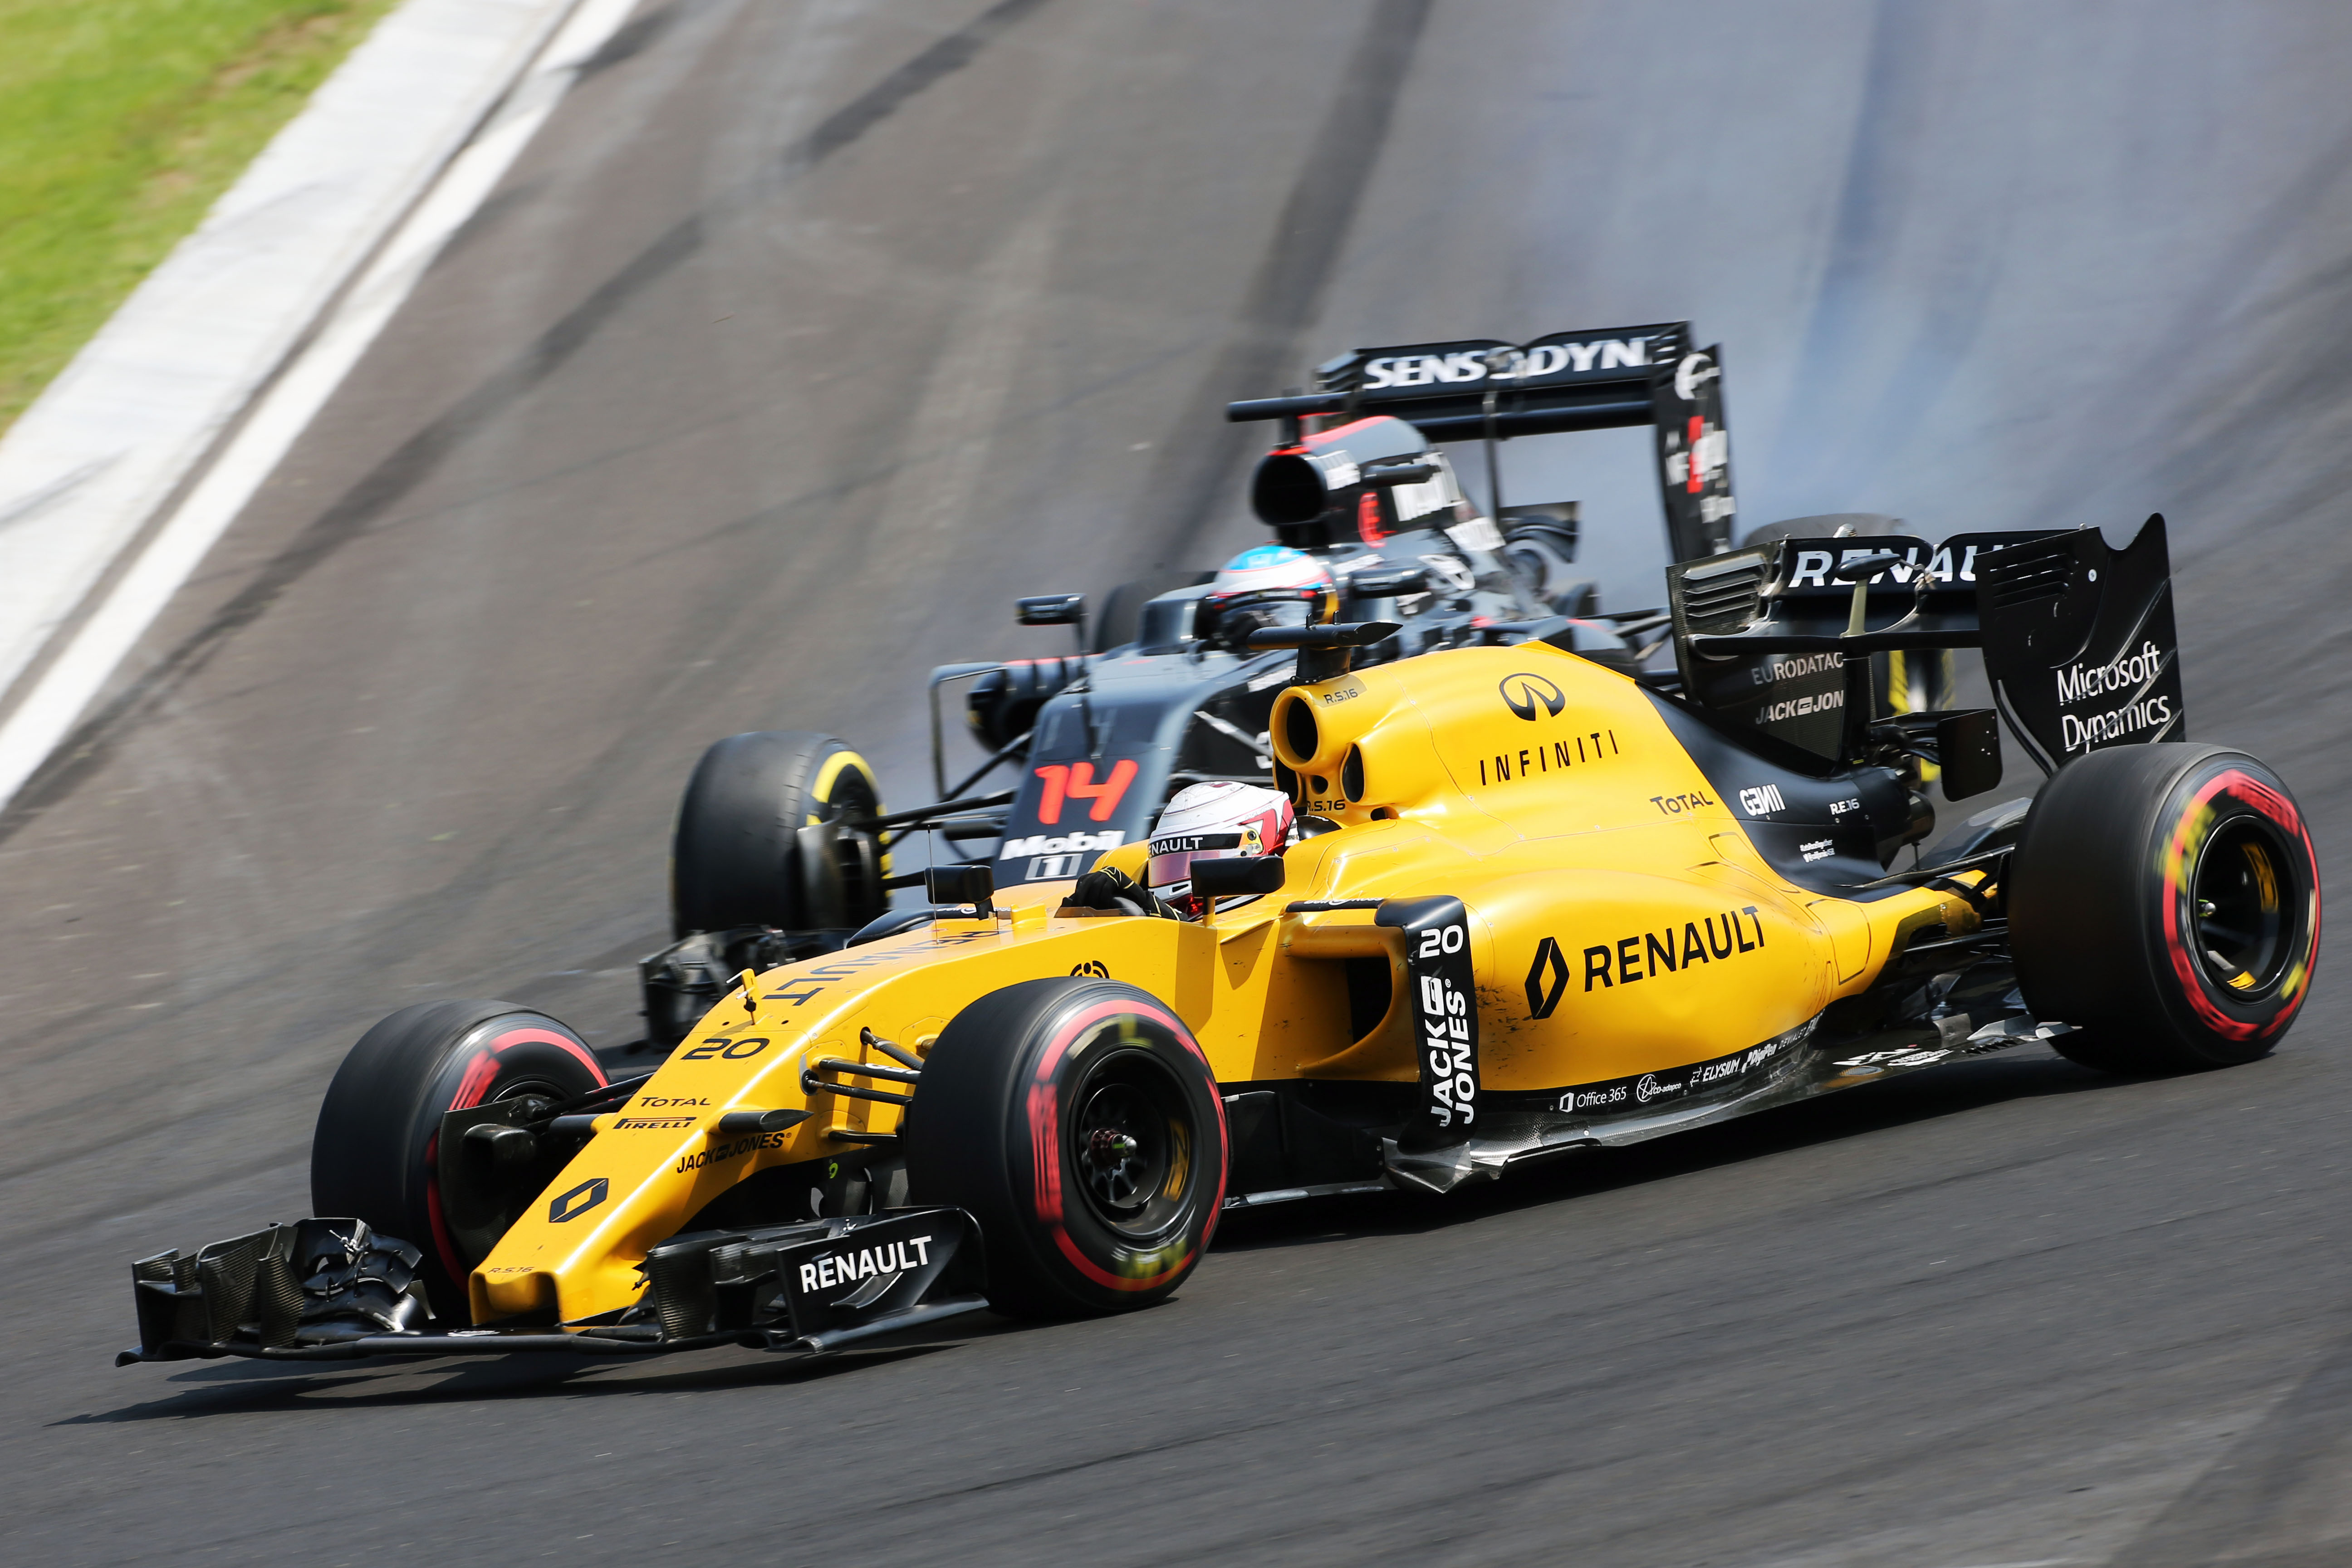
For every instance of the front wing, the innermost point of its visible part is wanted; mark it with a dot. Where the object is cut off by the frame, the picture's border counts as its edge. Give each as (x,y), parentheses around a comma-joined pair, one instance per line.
(332,1290)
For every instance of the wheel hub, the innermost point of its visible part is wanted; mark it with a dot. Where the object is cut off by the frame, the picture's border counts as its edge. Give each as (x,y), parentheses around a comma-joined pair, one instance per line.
(2239,902)
(1119,1149)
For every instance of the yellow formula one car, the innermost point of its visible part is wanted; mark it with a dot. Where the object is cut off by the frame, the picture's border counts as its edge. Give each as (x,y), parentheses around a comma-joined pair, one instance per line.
(1535,906)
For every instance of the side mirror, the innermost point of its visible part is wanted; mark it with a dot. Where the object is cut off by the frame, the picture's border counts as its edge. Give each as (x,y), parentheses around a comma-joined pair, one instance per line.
(1052,609)
(1223,879)
(1967,752)
(973,885)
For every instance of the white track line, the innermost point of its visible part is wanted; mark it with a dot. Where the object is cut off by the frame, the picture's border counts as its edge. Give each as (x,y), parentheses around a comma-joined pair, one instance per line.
(50,709)
(106,451)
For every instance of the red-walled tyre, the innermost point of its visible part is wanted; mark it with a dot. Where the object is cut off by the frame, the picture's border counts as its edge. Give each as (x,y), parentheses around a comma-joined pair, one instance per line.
(375,1155)
(1077,1120)
(2165,900)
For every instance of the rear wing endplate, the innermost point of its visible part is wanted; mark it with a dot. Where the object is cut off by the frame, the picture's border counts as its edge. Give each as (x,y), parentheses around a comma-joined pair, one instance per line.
(2080,645)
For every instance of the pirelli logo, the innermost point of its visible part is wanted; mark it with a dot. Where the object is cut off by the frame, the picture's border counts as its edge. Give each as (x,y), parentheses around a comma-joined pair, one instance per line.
(653,1124)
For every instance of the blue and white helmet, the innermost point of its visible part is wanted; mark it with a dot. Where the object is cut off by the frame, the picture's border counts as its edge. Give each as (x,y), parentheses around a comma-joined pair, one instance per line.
(1270,585)
(1271,566)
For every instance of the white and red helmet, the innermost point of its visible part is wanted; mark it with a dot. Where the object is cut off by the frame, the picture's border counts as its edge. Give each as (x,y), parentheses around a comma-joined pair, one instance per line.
(1216,821)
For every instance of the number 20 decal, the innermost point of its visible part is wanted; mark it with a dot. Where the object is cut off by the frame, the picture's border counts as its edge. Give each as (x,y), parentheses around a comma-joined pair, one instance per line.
(1440,938)
(734,1050)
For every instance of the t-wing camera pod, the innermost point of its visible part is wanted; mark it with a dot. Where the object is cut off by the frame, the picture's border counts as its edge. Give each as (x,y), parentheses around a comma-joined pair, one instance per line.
(1325,652)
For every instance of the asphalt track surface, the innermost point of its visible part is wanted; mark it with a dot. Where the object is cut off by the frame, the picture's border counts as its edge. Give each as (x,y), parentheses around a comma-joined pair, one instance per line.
(808,335)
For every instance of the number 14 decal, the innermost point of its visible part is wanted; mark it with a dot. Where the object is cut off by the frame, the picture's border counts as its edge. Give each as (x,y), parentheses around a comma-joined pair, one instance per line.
(1063,780)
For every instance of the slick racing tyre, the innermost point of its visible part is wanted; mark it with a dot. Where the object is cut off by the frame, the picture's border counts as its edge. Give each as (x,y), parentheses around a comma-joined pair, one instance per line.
(735,857)
(1077,1120)
(2164,900)
(375,1153)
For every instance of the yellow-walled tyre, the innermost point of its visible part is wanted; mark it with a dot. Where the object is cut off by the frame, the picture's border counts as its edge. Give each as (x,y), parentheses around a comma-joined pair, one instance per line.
(375,1154)
(735,858)
(1077,1120)
(2165,900)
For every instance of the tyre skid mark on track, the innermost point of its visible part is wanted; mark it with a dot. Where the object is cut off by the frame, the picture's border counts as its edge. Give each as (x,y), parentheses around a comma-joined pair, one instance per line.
(234,1387)
(1195,464)
(884,97)
(634,37)
(2240,1508)
(1989,1433)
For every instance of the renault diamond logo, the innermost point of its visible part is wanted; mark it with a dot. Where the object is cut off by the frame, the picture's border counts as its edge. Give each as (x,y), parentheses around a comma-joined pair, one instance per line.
(579,1200)
(1547,978)
(1523,692)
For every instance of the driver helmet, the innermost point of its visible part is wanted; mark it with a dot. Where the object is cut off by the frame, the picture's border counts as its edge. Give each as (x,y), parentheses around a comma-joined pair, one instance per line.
(1215,821)
(1269,585)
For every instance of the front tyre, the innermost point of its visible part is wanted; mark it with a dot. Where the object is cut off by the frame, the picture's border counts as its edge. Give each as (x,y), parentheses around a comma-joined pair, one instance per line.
(2165,900)
(375,1153)
(1077,1120)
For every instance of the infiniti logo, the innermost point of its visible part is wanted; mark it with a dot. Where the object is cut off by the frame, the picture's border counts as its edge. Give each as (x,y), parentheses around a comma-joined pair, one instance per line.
(1525,692)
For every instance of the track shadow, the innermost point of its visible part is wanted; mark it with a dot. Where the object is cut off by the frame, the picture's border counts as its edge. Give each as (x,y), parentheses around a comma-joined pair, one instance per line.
(1918,1097)
(246,1387)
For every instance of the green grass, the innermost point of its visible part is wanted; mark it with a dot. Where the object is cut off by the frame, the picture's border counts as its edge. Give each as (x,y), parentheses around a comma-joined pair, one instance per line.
(120,123)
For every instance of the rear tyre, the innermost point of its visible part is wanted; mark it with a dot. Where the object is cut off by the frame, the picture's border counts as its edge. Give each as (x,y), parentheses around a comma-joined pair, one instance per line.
(1077,1120)
(375,1155)
(2165,900)
(734,857)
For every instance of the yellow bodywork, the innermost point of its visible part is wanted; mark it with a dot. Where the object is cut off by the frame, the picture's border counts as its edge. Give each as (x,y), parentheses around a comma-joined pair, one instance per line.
(1589,826)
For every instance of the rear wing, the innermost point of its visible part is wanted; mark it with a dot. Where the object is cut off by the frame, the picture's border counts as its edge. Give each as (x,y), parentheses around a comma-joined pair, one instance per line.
(1600,380)
(2077,638)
